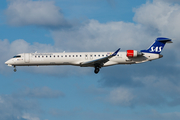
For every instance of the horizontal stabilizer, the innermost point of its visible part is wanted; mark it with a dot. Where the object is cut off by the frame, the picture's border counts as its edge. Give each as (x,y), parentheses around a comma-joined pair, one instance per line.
(164,40)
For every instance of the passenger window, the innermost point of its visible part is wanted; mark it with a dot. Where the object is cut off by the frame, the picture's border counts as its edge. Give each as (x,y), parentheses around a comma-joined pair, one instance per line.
(61,55)
(46,56)
(94,55)
(58,56)
(73,55)
(42,56)
(86,55)
(65,55)
(80,55)
(69,55)
(50,56)
(103,55)
(35,56)
(99,55)
(39,56)
(76,55)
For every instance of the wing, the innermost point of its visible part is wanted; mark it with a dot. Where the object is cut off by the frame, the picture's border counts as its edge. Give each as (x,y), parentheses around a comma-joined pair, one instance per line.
(100,62)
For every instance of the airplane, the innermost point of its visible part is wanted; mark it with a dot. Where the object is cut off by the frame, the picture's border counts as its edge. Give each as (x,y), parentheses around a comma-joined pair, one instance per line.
(90,59)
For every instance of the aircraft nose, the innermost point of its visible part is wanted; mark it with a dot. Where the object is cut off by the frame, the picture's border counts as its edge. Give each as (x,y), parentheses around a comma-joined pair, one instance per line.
(8,62)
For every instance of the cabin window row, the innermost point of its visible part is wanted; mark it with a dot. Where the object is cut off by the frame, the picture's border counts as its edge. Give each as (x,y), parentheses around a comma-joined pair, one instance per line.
(58,56)
(70,56)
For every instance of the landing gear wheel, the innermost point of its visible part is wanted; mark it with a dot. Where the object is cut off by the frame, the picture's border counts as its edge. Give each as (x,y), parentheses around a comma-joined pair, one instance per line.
(96,70)
(15,69)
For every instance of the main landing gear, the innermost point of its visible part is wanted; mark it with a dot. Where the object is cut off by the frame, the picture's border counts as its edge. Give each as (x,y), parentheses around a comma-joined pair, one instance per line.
(97,68)
(15,69)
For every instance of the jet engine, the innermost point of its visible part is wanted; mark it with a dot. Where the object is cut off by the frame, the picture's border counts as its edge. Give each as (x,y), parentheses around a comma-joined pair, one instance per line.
(133,53)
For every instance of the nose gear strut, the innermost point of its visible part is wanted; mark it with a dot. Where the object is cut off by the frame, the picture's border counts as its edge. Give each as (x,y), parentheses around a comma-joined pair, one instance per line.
(15,69)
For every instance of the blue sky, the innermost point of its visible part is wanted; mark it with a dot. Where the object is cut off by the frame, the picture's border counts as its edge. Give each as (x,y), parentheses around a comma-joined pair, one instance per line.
(124,92)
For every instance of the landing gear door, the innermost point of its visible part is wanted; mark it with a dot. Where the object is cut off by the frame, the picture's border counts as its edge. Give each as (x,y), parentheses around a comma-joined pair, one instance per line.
(26,57)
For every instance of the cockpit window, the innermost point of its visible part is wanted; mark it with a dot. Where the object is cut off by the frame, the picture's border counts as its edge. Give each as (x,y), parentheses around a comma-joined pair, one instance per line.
(17,56)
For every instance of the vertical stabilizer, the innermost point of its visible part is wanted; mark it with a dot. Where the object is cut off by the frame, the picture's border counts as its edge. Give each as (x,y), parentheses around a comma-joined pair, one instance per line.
(157,46)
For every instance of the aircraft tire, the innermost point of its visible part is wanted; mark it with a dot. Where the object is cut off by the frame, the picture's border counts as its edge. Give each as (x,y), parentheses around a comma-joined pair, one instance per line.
(96,70)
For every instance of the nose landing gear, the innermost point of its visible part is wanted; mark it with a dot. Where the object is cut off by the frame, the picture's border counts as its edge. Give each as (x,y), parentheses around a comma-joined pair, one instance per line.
(15,69)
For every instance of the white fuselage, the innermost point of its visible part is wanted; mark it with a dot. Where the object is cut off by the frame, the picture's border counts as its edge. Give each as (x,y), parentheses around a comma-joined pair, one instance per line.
(91,59)
(76,58)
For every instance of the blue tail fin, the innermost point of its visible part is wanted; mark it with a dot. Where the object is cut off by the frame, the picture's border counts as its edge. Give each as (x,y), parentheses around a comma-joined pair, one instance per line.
(158,45)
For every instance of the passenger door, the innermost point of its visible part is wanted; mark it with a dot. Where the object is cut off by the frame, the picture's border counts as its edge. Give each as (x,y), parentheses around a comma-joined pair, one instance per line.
(26,57)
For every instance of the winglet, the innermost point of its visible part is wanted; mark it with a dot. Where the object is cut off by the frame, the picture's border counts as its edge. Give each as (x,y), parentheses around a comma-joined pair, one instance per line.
(115,53)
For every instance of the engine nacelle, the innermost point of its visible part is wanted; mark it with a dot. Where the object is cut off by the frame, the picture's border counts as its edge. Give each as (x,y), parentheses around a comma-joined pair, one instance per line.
(133,53)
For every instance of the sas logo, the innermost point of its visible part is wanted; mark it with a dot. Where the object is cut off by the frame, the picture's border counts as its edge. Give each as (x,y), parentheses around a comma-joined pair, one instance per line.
(156,49)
